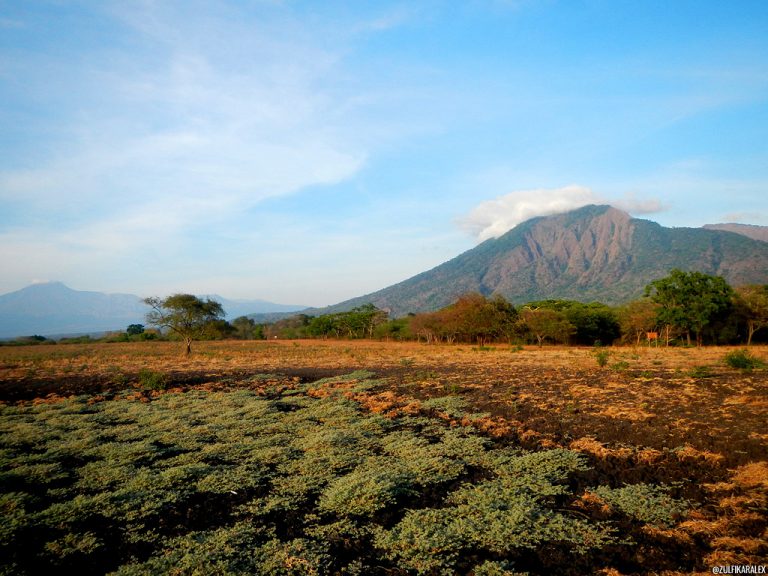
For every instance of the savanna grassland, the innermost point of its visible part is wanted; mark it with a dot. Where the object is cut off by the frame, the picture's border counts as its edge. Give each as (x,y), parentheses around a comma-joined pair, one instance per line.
(359,457)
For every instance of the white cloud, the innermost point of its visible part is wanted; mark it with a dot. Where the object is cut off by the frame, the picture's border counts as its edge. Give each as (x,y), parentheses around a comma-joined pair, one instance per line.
(492,218)
(630,203)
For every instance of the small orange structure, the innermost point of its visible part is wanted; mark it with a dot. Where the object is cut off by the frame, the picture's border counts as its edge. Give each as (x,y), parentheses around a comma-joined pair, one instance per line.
(652,337)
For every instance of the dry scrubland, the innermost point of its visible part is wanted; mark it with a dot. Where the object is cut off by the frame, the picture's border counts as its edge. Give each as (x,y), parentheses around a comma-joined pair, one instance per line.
(321,457)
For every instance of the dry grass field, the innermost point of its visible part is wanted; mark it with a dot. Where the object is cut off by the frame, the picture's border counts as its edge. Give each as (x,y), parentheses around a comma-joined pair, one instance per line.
(677,417)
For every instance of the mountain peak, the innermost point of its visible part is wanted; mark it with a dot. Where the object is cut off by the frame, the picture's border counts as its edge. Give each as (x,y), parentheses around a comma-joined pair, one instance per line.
(592,253)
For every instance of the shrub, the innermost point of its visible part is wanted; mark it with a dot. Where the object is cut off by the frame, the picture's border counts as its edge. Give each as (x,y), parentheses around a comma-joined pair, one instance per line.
(700,372)
(644,502)
(742,360)
(602,356)
(151,380)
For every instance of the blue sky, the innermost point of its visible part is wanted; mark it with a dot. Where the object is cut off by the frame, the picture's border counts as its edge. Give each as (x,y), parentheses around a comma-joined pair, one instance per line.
(309,152)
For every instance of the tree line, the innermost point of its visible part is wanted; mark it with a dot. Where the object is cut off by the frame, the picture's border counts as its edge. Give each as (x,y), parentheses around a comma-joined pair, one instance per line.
(681,308)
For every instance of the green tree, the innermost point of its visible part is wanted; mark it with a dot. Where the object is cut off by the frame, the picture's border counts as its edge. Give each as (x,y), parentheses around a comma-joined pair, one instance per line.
(185,315)
(690,300)
(594,323)
(395,329)
(546,323)
(135,329)
(247,329)
(637,318)
(752,301)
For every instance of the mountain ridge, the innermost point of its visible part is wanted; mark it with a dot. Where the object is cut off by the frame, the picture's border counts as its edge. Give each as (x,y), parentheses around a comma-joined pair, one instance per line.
(749,230)
(596,252)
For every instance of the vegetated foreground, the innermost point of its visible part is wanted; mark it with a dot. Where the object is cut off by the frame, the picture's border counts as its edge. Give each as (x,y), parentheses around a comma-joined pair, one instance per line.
(380,458)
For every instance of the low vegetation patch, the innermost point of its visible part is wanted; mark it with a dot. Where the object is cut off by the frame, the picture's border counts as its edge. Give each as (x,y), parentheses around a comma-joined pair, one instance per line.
(743,360)
(294,482)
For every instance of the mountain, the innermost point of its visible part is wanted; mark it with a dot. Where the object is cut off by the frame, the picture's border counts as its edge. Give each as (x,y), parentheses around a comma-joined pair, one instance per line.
(235,308)
(594,253)
(54,309)
(748,230)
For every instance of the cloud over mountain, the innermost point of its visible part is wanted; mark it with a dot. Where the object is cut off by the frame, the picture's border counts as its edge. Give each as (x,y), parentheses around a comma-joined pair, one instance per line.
(492,218)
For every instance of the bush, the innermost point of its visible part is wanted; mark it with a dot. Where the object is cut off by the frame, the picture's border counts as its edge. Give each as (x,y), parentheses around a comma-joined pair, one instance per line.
(742,360)
(151,380)
(602,356)
(700,372)
(644,502)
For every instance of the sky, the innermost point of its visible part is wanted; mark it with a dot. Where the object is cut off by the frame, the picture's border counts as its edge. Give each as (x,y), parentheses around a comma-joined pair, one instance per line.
(310,152)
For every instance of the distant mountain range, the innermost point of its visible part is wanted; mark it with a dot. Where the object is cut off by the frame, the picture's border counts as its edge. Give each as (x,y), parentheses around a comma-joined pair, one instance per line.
(594,253)
(55,309)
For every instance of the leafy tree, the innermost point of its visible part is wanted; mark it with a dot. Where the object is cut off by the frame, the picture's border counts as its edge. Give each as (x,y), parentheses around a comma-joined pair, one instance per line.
(593,323)
(218,330)
(185,315)
(752,301)
(690,300)
(361,321)
(395,329)
(546,323)
(637,318)
(289,328)
(135,329)
(428,325)
(247,329)
(472,318)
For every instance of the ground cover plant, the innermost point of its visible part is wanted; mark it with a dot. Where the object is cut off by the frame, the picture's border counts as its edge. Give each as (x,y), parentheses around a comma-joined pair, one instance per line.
(272,458)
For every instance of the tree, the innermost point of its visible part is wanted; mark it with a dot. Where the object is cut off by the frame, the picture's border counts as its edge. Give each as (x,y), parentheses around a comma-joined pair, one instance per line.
(546,323)
(247,329)
(135,329)
(690,300)
(594,323)
(472,318)
(637,318)
(184,314)
(752,301)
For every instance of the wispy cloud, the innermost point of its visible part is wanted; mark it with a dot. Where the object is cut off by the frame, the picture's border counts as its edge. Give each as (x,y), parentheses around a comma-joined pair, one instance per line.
(189,121)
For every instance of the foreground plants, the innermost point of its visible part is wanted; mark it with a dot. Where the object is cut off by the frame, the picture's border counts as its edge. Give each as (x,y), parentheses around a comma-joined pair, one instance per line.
(291,483)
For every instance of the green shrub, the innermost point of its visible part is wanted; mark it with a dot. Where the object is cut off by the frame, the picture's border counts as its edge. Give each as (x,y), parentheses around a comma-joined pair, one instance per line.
(700,372)
(644,502)
(151,380)
(602,356)
(491,568)
(742,360)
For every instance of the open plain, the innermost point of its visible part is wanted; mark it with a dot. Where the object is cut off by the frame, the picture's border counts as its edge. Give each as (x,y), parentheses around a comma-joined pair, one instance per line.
(679,418)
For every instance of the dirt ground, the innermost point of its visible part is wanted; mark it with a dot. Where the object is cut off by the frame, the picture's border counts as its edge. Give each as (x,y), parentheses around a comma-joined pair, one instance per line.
(674,416)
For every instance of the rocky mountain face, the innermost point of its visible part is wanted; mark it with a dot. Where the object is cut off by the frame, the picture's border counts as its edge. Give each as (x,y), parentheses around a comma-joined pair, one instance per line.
(595,253)
(748,230)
